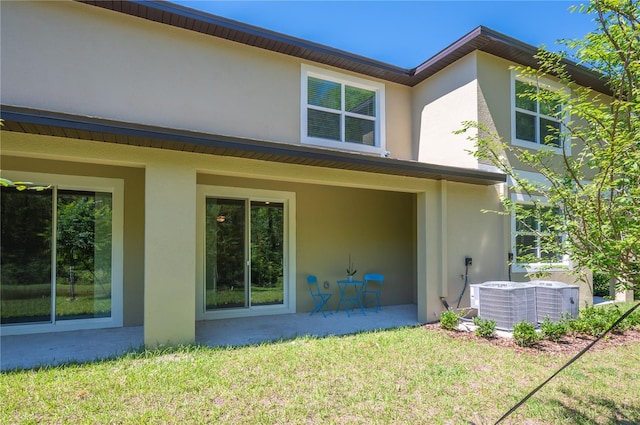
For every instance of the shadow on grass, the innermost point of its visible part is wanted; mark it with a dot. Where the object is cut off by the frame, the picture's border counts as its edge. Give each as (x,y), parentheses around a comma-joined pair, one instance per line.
(609,412)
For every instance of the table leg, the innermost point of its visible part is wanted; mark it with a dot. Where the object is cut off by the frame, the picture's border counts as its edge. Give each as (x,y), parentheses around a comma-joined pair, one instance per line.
(342,289)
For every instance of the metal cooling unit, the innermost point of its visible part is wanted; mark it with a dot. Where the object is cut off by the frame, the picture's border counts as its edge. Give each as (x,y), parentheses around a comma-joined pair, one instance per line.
(555,300)
(508,303)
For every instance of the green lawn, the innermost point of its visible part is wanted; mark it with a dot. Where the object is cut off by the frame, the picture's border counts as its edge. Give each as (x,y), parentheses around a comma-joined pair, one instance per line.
(401,376)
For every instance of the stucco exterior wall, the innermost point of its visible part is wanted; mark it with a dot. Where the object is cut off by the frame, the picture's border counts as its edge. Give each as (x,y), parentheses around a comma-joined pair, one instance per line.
(480,238)
(96,62)
(494,96)
(399,118)
(440,105)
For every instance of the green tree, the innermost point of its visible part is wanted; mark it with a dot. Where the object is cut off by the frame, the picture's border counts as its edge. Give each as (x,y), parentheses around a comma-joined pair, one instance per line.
(597,186)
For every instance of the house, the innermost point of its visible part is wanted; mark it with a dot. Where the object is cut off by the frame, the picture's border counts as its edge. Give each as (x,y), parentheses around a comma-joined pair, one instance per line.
(219,164)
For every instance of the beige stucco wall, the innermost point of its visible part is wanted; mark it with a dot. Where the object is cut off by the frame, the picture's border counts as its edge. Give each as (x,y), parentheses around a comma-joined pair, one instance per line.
(494,94)
(451,225)
(440,105)
(399,118)
(480,237)
(80,59)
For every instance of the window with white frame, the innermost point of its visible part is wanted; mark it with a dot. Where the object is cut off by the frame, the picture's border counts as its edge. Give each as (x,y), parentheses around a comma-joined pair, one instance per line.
(61,250)
(341,111)
(537,114)
(534,238)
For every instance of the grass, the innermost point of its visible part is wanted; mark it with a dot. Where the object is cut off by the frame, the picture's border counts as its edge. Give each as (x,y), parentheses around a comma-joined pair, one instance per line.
(401,376)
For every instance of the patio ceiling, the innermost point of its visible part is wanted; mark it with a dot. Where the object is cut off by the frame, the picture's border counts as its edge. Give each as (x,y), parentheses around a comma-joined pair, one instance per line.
(24,120)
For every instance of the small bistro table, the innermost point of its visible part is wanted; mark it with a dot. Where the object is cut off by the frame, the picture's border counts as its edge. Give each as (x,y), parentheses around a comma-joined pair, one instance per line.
(355,299)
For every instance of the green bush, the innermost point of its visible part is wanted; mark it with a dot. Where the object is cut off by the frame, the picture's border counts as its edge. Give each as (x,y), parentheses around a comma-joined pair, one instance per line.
(449,320)
(524,334)
(634,319)
(595,320)
(554,331)
(485,328)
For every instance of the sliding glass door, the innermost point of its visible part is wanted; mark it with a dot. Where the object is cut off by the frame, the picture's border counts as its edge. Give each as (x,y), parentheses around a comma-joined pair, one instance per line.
(267,253)
(244,253)
(55,255)
(25,255)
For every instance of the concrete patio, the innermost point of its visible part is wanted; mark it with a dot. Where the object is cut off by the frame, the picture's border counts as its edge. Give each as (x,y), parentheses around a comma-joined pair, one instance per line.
(31,351)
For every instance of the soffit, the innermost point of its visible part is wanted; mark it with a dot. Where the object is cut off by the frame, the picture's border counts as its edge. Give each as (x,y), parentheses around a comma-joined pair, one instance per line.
(48,123)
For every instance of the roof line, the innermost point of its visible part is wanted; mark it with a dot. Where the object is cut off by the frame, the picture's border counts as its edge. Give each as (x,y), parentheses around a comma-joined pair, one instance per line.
(233,25)
(481,38)
(272,35)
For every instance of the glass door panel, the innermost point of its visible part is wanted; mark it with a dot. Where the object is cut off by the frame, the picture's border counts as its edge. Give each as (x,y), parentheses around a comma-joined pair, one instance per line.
(25,255)
(225,254)
(240,233)
(267,253)
(83,255)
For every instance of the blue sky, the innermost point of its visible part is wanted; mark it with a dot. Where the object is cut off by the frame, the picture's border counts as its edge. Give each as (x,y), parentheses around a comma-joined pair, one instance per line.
(405,33)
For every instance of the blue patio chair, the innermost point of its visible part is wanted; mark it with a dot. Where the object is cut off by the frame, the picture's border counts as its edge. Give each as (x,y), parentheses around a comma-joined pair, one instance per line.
(320,298)
(372,286)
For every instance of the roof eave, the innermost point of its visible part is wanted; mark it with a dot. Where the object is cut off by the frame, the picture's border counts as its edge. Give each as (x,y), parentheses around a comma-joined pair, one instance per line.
(50,123)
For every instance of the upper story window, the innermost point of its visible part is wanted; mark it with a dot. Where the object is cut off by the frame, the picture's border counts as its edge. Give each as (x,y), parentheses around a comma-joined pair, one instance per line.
(341,111)
(537,114)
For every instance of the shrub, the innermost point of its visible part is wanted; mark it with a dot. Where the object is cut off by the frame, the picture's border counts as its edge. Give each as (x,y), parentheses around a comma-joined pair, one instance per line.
(634,319)
(554,331)
(595,320)
(449,320)
(485,328)
(524,334)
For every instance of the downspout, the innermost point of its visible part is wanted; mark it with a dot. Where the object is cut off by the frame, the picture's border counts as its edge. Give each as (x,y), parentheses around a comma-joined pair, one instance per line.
(444,247)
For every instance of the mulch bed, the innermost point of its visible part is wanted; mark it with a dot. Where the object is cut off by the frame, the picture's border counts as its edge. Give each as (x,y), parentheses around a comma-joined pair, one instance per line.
(567,345)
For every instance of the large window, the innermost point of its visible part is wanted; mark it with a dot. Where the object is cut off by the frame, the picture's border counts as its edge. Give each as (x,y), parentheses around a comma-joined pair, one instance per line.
(57,257)
(537,114)
(341,111)
(536,243)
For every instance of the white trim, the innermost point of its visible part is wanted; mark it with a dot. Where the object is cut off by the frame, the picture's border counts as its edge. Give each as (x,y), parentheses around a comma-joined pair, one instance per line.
(380,126)
(546,84)
(289,201)
(535,178)
(83,183)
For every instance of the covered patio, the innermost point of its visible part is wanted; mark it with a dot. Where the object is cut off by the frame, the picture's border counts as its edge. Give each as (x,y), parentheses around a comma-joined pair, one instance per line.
(31,351)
